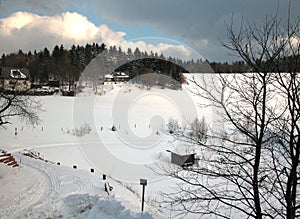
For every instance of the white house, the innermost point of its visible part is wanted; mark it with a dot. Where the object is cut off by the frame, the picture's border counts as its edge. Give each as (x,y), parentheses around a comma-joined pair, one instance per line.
(109,79)
(116,78)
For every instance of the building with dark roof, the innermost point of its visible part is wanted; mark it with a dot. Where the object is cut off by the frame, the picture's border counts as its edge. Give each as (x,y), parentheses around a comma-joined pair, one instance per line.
(116,78)
(15,79)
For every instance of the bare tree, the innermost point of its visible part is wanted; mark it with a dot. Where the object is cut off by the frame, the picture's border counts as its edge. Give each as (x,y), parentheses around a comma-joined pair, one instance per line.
(14,103)
(285,151)
(198,130)
(228,175)
(250,168)
(173,126)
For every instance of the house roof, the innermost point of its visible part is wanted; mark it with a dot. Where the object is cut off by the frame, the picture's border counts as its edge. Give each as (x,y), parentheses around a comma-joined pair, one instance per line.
(15,73)
(121,75)
(109,76)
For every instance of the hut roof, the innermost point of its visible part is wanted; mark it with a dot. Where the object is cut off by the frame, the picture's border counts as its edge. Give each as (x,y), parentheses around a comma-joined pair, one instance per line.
(108,76)
(15,73)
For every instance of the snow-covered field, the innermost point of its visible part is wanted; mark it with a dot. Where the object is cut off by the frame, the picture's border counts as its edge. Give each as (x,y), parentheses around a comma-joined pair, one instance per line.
(39,189)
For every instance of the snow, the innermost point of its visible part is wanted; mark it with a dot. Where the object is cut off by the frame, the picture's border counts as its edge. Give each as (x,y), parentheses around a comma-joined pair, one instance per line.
(40,189)
(109,76)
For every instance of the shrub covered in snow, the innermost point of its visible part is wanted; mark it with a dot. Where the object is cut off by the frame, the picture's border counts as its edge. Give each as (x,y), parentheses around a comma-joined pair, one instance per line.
(199,130)
(173,126)
(82,130)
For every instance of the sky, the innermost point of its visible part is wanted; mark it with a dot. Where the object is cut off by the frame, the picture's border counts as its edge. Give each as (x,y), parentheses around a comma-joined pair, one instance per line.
(183,28)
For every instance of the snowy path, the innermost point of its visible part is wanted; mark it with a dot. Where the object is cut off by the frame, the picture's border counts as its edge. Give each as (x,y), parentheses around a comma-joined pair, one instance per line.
(51,188)
(43,190)
(20,198)
(28,193)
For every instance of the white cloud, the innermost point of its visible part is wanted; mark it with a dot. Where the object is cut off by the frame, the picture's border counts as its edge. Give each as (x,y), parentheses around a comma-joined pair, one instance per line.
(191,21)
(162,46)
(110,37)
(28,31)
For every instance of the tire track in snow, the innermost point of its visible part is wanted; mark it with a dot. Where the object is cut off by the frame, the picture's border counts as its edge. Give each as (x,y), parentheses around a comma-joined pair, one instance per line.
(30,196)
(50,191)
(74,184)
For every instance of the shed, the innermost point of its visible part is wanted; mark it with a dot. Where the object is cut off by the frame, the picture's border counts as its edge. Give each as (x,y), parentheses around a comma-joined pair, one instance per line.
(109,79)
(182,160)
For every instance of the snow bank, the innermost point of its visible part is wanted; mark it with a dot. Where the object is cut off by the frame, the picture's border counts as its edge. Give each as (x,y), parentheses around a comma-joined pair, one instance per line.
(114,209)
(88,206)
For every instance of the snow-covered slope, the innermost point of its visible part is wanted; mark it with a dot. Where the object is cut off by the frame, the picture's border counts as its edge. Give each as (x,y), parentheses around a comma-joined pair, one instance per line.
(77,131)
(40,189)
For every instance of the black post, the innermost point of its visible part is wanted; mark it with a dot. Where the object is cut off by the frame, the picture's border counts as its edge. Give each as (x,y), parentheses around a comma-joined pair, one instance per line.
(16,132)
(143,197)
(143,182)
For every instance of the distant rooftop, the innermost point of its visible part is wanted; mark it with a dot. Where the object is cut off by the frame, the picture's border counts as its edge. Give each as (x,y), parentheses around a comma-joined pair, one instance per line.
(17,74)
(14,73)
(109,76)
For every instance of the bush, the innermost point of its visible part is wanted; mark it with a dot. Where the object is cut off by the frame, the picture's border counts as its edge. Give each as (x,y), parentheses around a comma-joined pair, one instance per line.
(82,130)
(173,126)
(199,130)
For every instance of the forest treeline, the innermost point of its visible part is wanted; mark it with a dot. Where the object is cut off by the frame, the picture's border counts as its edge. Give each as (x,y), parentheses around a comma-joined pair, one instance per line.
(66,65)
(59,64)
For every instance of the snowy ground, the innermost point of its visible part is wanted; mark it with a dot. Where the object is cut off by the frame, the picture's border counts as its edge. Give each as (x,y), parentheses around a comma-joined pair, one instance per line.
(46,190)
(42,190)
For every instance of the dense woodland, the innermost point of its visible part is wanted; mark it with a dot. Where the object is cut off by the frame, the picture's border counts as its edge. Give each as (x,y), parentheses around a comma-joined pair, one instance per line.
(66,65)
(59,64)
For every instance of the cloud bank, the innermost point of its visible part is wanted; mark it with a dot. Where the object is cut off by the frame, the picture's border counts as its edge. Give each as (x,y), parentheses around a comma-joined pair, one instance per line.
(200,24)
(28,31)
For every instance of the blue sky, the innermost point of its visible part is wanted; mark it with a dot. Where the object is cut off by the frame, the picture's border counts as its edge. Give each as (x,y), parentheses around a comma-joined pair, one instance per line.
(199,24)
